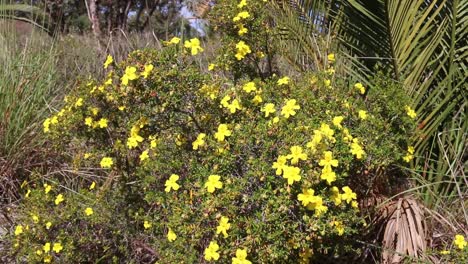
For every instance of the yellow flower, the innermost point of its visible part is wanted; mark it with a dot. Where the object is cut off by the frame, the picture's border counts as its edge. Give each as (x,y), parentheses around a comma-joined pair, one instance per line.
(57,247)
(18,230)
(279,164)
(48,225)
(356,149)
(46,125)
(410,112)
(213,183)
(360,87)
(337,121)
(93,184)
(234,106)
(121,108)
(283,81)
(79,102)
(445,252)
(199,141)
(242,3)
(242,50)
(59,199)
(331,57)
(223,131)
(339,227)
(130,74)
(241,257)
(326,131)
(211,251)
(54,120)
(362,114)
(289,109)
(89,211)
(291,173)
(257,99)
(348,195)
(108,61)
(327,83)
(174,40)
(328,175)
(336,196)
(147,71)
(241,15)
(193,45)
(38,252)
(318,206)
(147,225)
(89,121)
(328,161)
(223,226)
(27,193)
(102,123)
(460,242)
(268,109)
(249,87)
(242,29)
(47,188)
(144,155)
(211,66)
(296,155)
(106,162)
(47,259)
(46,247)
(171,236)
(171,183)
(307,197)
(35,218)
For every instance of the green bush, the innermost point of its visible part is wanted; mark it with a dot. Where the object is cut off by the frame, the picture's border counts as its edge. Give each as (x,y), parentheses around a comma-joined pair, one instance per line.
(184,167)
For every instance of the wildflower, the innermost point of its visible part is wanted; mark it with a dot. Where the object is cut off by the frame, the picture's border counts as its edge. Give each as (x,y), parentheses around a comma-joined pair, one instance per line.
(171,236)
(147,225)
(121,108)
(337,121)
(290,108)
(48,259)
(108,61)
(362,114)
(330,71)
(292,174)
(336,196)
(328,175)
(241,15)
(213,183)
(268,109)
(35,218)
(147,71)
(242,50)
(318,206)
(46,247)
(249,87)
(242,3)
(327,83)
(48,225)
(356,149)
(211,66)
(316,139)
(18,230)
(223,131)
(194,46)
(234,106)
(89,121)
(174,40)
(410,112)
(89,211)
(283,81)
(331,57)
(54,120)
(38,252)
(348,195)
(328,161)
(223,226)
(242,29)
(199,141)
(307,196)
(445,252)
(59,199)
(130,74)
(339,227)
(279,164)
(46,125)
(106,162)
(47,188)
(296,155)
(171,183)
(153,142)
(27,193)
(211,251)
(93,184)
(241,257)
(57,247)
(144,155)
(102,123)
(360,87)
(459,241)
(257,99)
(326,131)
(79,102)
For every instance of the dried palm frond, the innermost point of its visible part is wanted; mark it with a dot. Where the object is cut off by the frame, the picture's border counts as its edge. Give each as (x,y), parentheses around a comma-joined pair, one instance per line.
(404,230)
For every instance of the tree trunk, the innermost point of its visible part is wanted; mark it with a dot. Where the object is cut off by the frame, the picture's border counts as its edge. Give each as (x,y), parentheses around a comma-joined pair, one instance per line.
(94,18)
